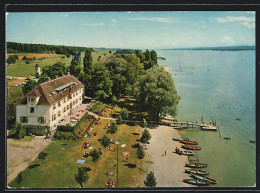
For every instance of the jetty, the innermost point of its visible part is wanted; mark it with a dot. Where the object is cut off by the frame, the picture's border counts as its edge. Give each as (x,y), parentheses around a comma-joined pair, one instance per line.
(192,125)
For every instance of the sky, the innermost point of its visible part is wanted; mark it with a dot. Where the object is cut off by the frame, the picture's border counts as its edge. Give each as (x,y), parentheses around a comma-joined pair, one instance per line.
(133,30)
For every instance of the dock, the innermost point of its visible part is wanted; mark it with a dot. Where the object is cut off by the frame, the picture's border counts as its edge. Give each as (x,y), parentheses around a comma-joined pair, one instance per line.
(191,124)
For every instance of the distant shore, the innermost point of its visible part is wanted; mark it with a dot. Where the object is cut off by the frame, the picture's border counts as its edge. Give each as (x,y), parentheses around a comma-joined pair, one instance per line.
(168,169)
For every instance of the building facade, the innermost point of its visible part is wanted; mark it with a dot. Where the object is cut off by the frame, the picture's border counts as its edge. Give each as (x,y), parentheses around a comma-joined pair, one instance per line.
(48,103)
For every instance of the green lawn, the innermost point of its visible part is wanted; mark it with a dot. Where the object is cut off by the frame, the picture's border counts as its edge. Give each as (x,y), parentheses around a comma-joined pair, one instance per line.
(59,167)
(21,69)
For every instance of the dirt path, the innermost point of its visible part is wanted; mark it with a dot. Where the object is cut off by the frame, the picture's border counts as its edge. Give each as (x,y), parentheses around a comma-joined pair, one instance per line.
(169,169)
(20,154)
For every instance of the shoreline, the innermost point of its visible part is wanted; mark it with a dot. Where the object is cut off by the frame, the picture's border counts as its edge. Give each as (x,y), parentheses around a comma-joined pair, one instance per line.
(168,170)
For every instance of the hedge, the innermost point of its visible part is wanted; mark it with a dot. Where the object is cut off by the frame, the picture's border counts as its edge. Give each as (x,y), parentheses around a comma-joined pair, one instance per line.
(64,135)
(65,128)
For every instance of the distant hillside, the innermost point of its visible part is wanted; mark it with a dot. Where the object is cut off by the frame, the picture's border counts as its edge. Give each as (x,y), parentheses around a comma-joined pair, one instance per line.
(221,48)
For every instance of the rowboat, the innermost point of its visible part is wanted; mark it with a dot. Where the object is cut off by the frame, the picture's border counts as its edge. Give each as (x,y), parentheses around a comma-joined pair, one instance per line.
(227,138)
(189,142)
(181,128)
(176,139)
(199,172)
(186,153)
(197,165)
(190,147)
(197,182)
(212,181)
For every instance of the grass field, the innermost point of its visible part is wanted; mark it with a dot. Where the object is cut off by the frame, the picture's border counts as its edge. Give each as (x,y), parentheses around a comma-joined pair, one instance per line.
(21,69)
(59,167)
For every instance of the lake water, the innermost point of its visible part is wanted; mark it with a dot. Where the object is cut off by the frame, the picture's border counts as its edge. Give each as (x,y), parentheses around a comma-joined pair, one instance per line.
(220,84)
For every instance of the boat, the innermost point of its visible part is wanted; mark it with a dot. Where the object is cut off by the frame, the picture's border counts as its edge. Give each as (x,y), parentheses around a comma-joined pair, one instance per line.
(227,138)
(189,153)
(238,119)
(209,127)
(176,139)
(190,147)
(212,181)
(189,142)
(196,165)
(197,182)
(179,128)
(252,142)
(199,172)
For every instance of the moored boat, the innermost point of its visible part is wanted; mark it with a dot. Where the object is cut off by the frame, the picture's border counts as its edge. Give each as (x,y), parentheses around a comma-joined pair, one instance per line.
(189,142)
(196,165)
(204,178)
(190,147)
(199,172)
(189,153)
(179,128)
(176,139)
(196,182)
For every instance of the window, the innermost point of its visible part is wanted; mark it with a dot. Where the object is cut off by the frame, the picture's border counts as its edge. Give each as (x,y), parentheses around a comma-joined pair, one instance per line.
(41,120)
(58,113)
(64,109)
(31,109)
(59,103)
(54,106)
(54,117)
(24,119)
(76,100)
(76,92)
(64,100)
(80,98)
(31,99)
(68,107)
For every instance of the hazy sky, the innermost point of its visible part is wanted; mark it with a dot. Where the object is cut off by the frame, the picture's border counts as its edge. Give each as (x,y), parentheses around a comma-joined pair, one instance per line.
(159,29)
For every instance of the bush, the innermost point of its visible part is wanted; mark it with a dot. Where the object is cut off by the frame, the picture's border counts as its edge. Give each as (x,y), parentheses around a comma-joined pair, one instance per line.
(124,113)
(42,155)
(97,107)
(95,155)
(112,128)
(119,120)
(65,128)
(146,136)
(18,131)
(64,135)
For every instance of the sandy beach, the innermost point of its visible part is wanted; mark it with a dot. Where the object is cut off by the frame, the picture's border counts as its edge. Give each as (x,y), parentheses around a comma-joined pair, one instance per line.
(168,169)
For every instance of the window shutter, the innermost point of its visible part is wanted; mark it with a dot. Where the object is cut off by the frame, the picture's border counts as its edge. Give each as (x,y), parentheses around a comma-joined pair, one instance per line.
(39,119)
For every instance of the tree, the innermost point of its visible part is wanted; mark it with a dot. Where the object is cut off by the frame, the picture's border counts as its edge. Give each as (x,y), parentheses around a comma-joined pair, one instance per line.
(156,93)
(147,55)
(18,131)
(81,176)
(113,128)
(19,178)
(101,84)
(114,100)
(124,113)
(30,85)
(12,59)
(119,120)
(24,58)
(144,124)
(154,57)
(146,136)
(87,62)
(11,114)
(150,180)
(104,141)
(95,155)
(133,69)
(140,152)
(42,79)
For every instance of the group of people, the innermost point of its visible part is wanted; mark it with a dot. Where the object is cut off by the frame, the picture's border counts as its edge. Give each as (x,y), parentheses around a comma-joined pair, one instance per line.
(107,125)
(110,148)
(98,121)
(110,184)
(177,150)
(86,154)
(85,144)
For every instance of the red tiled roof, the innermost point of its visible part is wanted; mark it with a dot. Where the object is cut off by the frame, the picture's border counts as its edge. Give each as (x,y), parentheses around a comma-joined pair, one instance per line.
(47,88)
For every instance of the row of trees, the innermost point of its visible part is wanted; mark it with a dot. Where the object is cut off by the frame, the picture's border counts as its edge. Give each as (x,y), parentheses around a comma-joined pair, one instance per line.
(14,47)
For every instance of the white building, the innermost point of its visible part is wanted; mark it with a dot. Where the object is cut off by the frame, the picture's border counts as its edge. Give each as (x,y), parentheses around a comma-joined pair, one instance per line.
(43,107)
(37,69)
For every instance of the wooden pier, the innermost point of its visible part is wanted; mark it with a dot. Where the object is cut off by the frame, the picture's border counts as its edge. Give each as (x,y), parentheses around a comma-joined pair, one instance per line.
(191,124)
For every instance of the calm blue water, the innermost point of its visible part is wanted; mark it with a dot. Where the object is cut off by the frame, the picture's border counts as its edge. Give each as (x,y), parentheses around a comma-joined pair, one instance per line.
(220,84)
